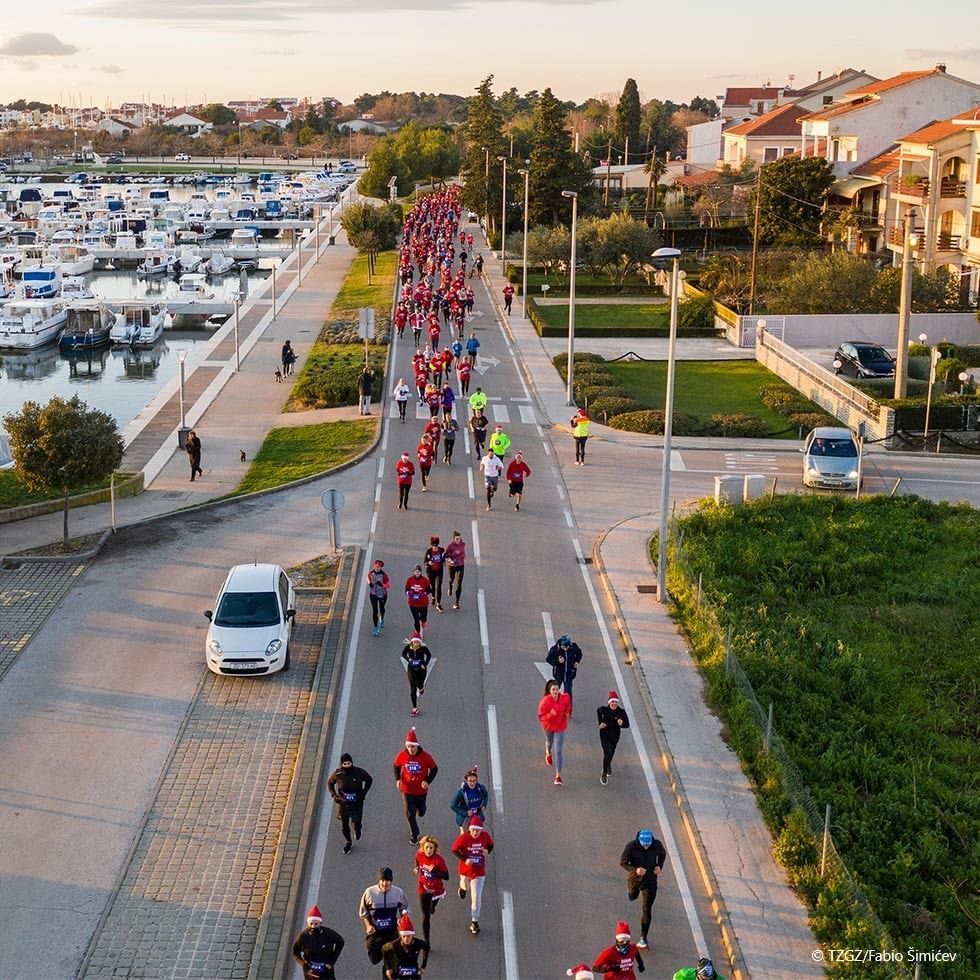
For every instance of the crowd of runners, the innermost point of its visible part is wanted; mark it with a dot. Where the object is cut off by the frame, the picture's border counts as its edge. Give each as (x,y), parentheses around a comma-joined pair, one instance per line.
(434,273)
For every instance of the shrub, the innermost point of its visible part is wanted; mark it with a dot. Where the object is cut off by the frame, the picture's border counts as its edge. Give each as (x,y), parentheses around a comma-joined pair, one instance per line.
(918,350)
(949,368)
(739,424)
(651,421)
(329,376)
(696,313)
(608,405)
(812,420)
(970,355)
(561,360)
(784,399)
(795,847)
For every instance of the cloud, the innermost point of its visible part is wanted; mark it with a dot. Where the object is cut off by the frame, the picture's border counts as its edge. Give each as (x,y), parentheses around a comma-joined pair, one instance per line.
(943,54)
(109,69)
(31,45)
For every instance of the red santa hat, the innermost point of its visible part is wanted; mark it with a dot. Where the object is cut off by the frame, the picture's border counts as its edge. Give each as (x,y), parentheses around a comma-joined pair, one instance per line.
(622,930)
(314,913)
(613,696)
(411,738)
(405,927)
(580,972)
(476,821)
(416,636)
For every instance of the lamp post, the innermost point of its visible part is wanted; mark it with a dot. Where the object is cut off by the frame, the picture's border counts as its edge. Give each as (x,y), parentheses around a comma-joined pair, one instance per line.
(181,357)
(964,377)
(526,174)
(503,220)
(934,356)
(905,306)
(675,256)
(570,372)
(239,144)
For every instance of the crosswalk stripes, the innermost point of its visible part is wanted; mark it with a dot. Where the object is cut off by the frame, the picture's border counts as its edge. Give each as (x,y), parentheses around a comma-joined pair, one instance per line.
(527,414)
(500,414)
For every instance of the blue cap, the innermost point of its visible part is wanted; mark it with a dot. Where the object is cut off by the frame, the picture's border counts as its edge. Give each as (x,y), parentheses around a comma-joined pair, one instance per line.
(645,837)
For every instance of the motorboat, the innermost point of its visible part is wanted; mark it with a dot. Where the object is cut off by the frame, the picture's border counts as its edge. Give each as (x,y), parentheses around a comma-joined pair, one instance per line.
(157,262)
(9,260)
(193,286)
(220,264)
(71,260)
(76,288)
(88,327)
(29,323)
(139,324)
(189,258)
(40,281)
(244,244)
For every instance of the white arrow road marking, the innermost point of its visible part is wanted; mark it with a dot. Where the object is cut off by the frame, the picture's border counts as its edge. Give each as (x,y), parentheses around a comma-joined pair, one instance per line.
(676,463)
(483,364)
(544,669)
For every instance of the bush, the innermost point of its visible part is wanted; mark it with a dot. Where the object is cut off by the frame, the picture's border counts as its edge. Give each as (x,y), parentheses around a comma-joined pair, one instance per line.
(970,355)
(561,360)
(329,376)
(784,399)
(608,405)
(948,370)
(739,424)
(696,313)
(651,421)
(812,420)
(795,847)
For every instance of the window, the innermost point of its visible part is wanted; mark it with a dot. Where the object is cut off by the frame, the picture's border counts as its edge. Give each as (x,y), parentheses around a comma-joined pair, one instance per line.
(788,151)
(975,225)
(770,153)
(828,99)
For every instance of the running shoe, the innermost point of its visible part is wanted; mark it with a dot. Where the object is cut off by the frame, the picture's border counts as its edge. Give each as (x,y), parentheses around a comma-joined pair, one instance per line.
(415,712)
(455,605)
(381,622)
(643,944)
(376,631)
(475,927)
(461,891)
(604,779)
(558,781)
(348,847)
(547,759)
(414,838)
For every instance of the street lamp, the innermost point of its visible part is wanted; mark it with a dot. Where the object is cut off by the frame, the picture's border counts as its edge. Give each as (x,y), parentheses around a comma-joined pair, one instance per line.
(238,357)
(239,143)
(503,219)
(964,377)
(675,256)
(526,174)
(570,373)
(935,354)
(909,241)
(181,357)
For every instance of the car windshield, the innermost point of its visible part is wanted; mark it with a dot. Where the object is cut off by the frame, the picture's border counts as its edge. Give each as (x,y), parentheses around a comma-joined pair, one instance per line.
(833,447)
(247,609)
(870,355)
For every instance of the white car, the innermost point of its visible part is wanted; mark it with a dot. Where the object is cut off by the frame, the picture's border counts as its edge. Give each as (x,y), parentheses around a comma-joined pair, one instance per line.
(183,158)
(831,459)
(251,622)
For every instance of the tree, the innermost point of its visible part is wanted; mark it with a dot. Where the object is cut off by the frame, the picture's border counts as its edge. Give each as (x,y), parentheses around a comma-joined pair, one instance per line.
(412,154)
(793,191)
(372,228)
(63,446)
(657,129)
(628,117)
(218,115)
(708,106)
(617,245)
(550,248)
(555,166)
(484,140)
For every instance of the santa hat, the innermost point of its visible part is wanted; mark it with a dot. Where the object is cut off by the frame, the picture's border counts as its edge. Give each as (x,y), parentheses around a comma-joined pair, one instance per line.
(406,456)
(580,972)
(476,821)
(622,930)
(520,452)
(416,636)
(405,927)
(613,696)
(411,738)
(314,913)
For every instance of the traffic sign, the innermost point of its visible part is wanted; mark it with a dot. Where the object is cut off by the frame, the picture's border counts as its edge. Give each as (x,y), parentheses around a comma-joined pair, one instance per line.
(332,499)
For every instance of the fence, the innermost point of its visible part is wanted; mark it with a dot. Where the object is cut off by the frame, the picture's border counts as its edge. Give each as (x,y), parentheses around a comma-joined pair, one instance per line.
(832,867)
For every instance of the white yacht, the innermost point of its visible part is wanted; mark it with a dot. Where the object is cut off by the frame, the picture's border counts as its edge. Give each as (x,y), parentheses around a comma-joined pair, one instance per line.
(29,323)
(190,258)
(244,244)
(192,286)
(136,321)
(76,287)
(219,264)
(157,262)
(71,259)
(40,281)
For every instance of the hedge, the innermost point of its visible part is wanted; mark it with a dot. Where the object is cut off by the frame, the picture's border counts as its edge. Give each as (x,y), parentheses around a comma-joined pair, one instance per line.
(545,330)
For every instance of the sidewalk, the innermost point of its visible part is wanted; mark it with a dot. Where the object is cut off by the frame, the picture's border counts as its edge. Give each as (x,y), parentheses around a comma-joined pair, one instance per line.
(766,922)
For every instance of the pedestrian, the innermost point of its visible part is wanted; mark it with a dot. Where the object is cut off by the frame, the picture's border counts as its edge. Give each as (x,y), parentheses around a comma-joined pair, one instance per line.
(426,456)
(417,591)
(580,972)
(477,401)
(288,358)
(365,382)
(414,771)
(554,710)
(421,381)
(508,297)
(448,397)
(449,429)
(479,424)
(192,446)
(401,396)
(379,909)
(499,441)
(456,562)
(616,962)
(517,472)
(564,658)
(471,800)
(416,656)
(472,348)
(464,371)
(404,472)
(432,873)
(643,859)
(472,847)
(705,970)
(401,318)
(433,398)
(580,431)
(401,955)
(612,721)
(478,265)
(349,786)
(317,947)
(435,562)
(457,351)
(492,468)
(378,586)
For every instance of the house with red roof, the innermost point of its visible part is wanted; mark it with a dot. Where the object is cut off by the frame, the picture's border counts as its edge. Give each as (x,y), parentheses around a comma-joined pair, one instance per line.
(764,138)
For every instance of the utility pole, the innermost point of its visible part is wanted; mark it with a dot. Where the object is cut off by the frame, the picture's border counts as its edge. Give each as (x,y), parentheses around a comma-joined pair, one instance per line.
(605,197)
(755,239)
(904,308)
(650,184)
(626,152)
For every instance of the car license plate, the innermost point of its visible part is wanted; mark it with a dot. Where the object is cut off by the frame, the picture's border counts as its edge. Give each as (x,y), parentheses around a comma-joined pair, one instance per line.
(241,666)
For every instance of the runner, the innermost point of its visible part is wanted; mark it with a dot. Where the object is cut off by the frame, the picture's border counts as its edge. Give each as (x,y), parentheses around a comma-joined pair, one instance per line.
(434,560)
(401,395)
(705,970)
(580,972)
(616,962)
(448,396)
(433,398)
(492,468)
(432,874)
(463,371)
(517,472)
(378,586)
(449,429)
(499,441)
(612,720)
(349,786)
(404,471)
(416,656)
(470,800)
(379,908)
(472,847)
(564,658)
(401,955)
(425,455)
(508,297)
(478,401)
(580,432)
(643,859)
(457,352)
(472,348)
(433,429)
(417,591)
(401,318)
(554,710)
(414,771)
(317,947)
(456,560)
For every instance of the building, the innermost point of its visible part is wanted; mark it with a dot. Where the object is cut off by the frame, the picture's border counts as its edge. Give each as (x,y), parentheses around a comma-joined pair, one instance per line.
(765,138)
(181,119)
(751,101)
(826,91)
(117,127)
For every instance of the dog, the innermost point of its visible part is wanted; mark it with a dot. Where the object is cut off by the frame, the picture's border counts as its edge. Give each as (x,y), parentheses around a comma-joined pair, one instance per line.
(278,376)
(244,457)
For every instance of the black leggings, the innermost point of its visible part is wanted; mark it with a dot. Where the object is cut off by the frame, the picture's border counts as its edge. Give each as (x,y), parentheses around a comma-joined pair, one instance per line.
(435,584)
(403,489)
(428,905)
(416,683)
(608,751)
(455,579)
(348,815)
(378,607)
(420,616)
(647,897)
(401,409)
(414,807)
(425,470)
(450,445)
(580,442)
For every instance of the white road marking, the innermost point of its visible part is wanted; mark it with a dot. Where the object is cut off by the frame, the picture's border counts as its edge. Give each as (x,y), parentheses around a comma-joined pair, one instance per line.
(481,605)
(546,448)
(544,669)
(466,438)
(377,493)
(374,522)
(509,935)
(540,430)
(676,463)
(549,632)
(421,412)
(516,399)
(475,534)
(752,462)
(568,518)
(496,770)
(381,467)
(384,438)
(561,492)
(469,484)
(501,414)
(527,413)
(520,377)
(651,780)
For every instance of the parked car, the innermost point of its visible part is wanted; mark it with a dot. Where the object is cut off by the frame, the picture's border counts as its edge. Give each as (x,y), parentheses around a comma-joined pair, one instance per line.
(289,156)
(251,622)
(347,166)
(183,158)
(830,459)
(114,158)
(863,360)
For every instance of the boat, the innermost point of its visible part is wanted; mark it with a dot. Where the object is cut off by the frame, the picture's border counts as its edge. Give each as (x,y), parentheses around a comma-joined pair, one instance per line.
(75,288)
(9,260)
(157,262)
(219,264)
(189,258)
(88,327)
(71,260)
(244,245)
(193,286)
(29,323)
(40,281)
(135,321)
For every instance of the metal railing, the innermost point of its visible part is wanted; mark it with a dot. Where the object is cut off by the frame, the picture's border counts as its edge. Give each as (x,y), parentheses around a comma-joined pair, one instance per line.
(952,187)
(910,186)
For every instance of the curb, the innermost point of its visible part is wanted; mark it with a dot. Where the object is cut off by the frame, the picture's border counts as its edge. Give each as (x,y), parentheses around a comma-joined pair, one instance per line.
(720,910)
(13,561)
(127,488)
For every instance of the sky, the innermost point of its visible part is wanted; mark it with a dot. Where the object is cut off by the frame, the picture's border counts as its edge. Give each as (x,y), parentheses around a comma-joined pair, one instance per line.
(94,52)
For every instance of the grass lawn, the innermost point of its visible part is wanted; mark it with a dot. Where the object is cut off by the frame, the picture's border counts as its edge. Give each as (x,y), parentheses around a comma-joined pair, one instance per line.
(607,315)
(356,292)
(304,450)
(703,388)
(14,494)
(584,282)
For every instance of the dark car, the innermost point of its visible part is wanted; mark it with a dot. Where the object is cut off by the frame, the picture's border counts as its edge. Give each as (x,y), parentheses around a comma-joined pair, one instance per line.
(114,158)
(863,360)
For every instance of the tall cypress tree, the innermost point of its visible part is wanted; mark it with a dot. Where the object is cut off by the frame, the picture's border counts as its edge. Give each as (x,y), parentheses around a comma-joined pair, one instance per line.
(482,133)
(628,116)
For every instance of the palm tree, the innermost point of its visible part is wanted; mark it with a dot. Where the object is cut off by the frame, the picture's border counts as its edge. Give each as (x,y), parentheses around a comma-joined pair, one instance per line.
(654,168)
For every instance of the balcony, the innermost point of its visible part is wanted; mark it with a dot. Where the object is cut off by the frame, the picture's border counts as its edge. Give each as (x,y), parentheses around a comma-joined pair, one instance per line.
(952,187)
(910,186)
(948,243)
(895,238)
